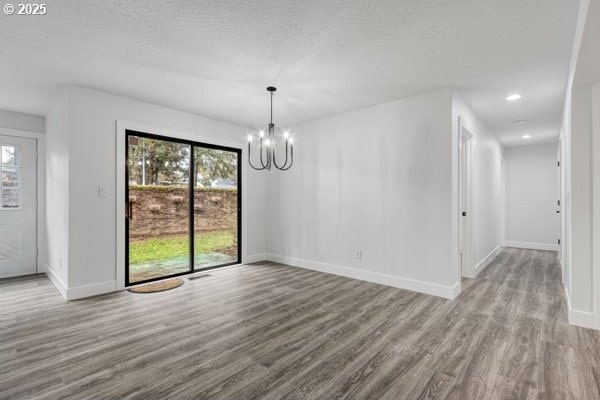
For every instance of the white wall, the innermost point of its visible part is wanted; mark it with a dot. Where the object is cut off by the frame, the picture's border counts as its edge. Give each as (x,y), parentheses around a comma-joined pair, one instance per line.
(378,180)
(487,182)
(577,189)
(581,199)
(57,191)
(531,196)
(20,121)
(91,161)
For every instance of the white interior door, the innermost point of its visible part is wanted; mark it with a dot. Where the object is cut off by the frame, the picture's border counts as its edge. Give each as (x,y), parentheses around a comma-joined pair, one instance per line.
(18,210)
(463,208)
(558,205)
(465,234)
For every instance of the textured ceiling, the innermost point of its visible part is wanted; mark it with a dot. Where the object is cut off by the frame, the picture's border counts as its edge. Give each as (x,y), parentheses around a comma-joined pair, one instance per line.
(215,58)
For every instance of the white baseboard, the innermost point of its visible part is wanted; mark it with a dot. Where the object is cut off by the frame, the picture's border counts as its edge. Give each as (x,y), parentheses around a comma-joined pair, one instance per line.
(486,260)
(531,245)
(79,292)
(434,289)
(455,291)
(93,289)
(252,258)
(584,319)
(56,281)
(581,318)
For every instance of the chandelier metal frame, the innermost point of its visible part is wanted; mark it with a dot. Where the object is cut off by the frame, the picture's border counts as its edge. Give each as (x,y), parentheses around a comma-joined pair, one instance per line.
(267,146)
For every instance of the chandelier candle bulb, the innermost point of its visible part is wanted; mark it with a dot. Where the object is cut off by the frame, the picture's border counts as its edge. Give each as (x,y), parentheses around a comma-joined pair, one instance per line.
(267,157)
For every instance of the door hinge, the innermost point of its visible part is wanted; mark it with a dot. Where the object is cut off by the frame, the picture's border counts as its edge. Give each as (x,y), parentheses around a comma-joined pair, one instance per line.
(559,202)
(558,241)
(558,163)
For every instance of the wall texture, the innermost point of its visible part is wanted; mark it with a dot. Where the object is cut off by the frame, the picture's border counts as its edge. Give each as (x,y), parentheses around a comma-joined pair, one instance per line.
(57,188)
(531,195)
(376,180)
(26,122)
(581,294)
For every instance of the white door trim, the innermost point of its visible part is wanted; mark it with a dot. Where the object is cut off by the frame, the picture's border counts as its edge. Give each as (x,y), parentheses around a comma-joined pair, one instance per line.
(41,262)
(121,127)
(465,189)
(596,204)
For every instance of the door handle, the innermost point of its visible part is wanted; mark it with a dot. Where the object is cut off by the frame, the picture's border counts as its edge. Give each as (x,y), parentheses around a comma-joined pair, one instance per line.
(129,210)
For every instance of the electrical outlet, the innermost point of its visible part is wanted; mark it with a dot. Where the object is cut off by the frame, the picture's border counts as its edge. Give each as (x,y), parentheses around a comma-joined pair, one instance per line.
(358,254)
(101,191)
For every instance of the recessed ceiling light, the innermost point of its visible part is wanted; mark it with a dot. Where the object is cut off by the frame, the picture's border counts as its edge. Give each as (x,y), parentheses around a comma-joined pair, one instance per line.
(525,136)
(520,121)
(513,97)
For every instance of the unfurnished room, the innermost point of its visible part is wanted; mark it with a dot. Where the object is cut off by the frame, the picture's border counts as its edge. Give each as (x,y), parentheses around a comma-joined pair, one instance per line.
(300,199)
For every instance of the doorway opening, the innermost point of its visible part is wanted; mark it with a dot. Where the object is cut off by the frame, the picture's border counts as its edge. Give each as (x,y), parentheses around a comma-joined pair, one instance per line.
(182,206)
(465,184)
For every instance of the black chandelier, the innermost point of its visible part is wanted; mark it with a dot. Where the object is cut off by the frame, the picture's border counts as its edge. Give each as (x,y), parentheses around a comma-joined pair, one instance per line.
(267,146)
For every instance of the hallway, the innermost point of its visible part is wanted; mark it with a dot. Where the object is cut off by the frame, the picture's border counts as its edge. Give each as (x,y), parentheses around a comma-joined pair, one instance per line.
(526,347)
(283,332)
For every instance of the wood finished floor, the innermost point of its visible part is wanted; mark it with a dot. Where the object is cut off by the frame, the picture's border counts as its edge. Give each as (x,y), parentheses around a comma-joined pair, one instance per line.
(271,331)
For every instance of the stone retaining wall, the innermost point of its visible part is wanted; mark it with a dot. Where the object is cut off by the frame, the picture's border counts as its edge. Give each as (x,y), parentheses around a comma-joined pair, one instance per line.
(163,210)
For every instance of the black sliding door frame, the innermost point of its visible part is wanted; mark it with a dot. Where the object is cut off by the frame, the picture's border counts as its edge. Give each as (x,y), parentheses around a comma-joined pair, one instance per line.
(192,144)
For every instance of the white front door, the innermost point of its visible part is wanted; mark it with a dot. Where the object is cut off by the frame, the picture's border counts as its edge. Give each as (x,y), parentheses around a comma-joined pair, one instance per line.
(18,198)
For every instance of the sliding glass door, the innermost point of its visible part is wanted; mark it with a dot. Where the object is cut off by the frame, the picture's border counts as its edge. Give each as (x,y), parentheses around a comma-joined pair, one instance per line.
(183,207)
(216,205)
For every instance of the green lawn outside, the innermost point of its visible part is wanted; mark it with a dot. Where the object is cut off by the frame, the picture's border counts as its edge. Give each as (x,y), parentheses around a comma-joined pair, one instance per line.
(169,247)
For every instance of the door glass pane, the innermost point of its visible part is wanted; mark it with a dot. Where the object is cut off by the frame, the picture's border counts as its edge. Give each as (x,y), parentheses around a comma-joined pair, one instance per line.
(10,177)
(158,208)
(215,207)
(9,173)
(10,198)
(10,155)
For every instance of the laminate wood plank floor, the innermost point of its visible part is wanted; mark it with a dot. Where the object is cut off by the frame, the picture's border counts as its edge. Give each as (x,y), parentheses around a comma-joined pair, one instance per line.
(269,331)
